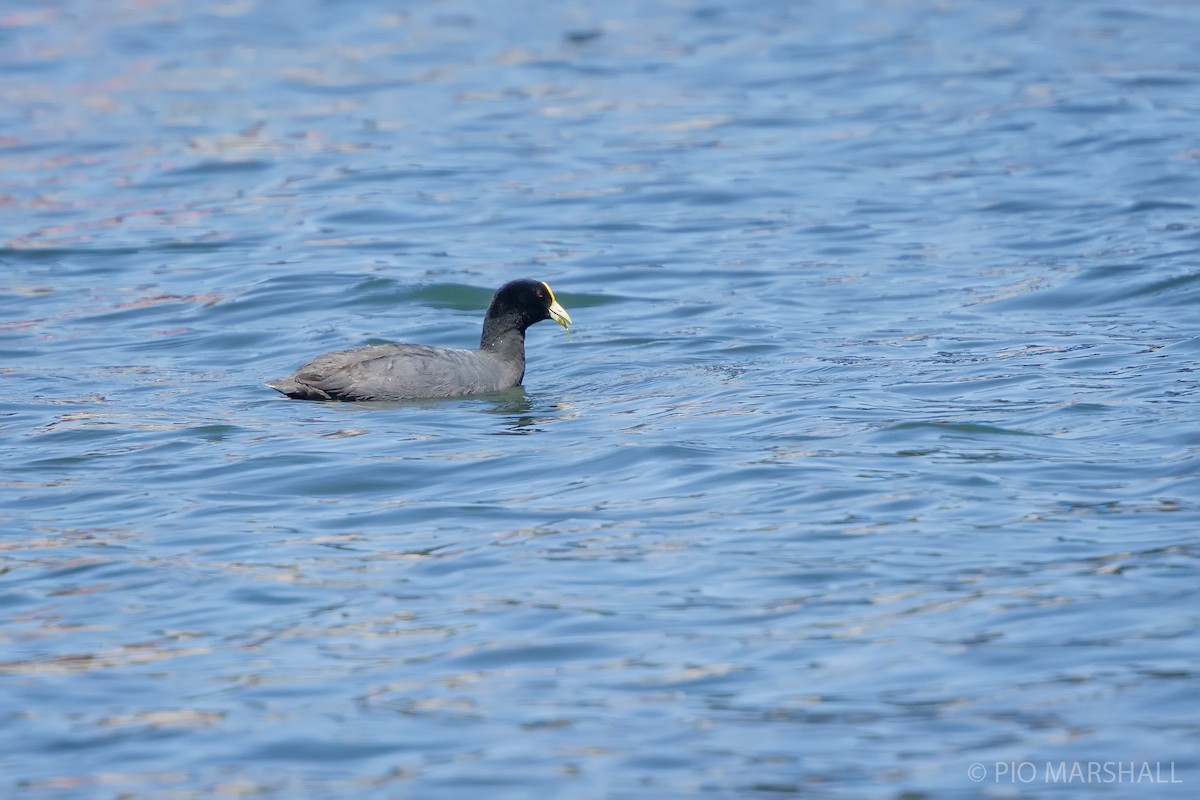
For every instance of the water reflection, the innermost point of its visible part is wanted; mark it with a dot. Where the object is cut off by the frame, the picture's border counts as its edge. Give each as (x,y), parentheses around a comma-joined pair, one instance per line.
(523,414)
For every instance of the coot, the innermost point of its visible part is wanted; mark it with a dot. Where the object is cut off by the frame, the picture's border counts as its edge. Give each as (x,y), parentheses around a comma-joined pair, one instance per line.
(409,371)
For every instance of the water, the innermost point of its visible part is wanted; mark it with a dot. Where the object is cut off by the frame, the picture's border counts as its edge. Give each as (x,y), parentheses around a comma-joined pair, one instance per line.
(869,470)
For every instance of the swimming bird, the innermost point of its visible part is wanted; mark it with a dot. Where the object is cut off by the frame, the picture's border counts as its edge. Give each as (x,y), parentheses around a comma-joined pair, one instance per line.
(411,371)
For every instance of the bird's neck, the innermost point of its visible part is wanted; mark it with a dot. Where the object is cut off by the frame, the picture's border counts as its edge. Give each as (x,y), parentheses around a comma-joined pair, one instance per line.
(504,341)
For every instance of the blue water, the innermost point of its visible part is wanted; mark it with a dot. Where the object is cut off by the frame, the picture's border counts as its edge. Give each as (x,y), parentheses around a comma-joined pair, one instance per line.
(869,469)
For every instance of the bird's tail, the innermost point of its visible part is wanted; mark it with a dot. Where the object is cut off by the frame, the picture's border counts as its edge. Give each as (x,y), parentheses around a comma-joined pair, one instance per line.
(297,390)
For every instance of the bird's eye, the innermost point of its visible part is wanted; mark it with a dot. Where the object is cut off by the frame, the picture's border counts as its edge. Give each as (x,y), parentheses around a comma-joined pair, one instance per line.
(540,295)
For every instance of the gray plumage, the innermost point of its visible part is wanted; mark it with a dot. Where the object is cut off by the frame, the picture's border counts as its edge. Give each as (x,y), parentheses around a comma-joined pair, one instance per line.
(411,371)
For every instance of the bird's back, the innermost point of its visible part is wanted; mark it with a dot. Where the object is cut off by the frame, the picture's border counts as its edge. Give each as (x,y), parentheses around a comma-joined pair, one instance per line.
(400,372)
